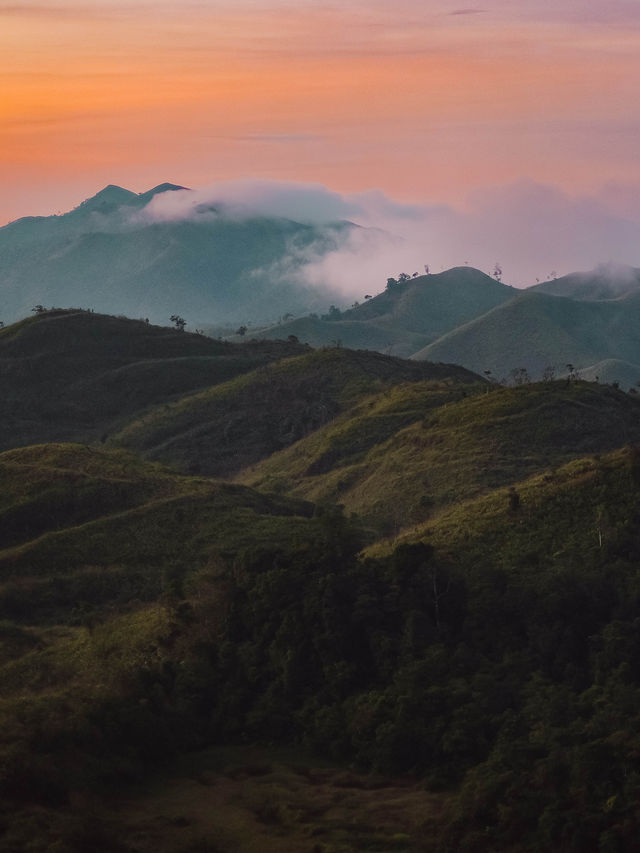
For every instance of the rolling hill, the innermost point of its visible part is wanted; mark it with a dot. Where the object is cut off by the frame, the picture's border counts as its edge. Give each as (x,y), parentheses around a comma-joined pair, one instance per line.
(72,375)
(459,640)
(406,316)
(537,330)
(606,281)
(400,456)
(223,429)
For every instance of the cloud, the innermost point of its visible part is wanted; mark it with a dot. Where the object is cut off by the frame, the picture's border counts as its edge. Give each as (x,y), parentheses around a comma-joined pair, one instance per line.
(531,229)
(466,12)
(308,203)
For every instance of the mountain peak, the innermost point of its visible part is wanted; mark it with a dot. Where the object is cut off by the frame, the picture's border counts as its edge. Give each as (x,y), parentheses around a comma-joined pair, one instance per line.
(161,188)
(108,199)
(113,196)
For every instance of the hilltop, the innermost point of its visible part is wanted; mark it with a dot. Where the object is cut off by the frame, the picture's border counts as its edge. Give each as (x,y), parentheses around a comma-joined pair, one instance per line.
(406,316)
(538,330)
(71,375)
(403,454)
(223,429)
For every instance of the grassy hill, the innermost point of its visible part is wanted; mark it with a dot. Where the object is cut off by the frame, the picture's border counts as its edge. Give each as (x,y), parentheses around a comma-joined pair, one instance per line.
(223,429)
(471,678)
(406,316)
(537,330)
(400,455)
(606,281)
(86,528)
(73,375)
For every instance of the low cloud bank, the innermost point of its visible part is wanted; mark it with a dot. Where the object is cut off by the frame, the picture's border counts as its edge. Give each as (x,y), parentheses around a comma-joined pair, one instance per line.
(533,231)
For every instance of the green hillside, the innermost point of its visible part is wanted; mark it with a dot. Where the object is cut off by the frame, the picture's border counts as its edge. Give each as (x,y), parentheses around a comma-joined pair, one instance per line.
(223,429)
(406,316)
(80,526)
(400,455)
(447,662)
(538,330)
(70,375)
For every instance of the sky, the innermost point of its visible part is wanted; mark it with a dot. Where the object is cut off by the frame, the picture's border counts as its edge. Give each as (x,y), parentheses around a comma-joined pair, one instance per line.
(470,109)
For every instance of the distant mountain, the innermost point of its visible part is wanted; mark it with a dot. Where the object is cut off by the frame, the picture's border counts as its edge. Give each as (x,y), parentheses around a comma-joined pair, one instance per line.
(538,330)
(406,316)
(109,255)
(606,281)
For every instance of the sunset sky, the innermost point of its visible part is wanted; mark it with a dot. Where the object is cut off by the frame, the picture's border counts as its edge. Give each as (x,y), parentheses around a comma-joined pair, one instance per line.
(427,101)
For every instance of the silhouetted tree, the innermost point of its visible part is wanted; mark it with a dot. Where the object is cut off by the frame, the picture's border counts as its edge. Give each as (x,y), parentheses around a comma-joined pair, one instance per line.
(178,321)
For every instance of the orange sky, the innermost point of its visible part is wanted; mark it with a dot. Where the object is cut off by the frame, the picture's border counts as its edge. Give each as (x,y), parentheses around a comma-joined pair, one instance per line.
(424,100)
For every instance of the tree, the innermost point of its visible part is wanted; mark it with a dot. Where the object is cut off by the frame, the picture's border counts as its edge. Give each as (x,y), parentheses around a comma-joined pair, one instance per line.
(404,277)
(334,313)
(241,330)
(497,271)
(38,309)
(391,283)
(520,376)
(178,322)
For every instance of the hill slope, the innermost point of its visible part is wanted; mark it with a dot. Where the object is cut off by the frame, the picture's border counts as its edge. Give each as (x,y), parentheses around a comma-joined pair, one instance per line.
(223,429)
(406,316)
(75,375)
(403,454)
(537,330)
(84,529)
(606,281)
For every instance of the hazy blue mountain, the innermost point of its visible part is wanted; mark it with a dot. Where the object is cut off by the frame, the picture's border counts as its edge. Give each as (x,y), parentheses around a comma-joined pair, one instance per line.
(108,255)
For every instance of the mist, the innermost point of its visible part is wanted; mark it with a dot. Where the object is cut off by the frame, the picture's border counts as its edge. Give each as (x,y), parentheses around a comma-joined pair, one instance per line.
(533,231)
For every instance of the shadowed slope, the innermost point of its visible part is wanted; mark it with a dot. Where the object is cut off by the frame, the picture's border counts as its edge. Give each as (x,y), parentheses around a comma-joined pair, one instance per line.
(73,375)
(223,429)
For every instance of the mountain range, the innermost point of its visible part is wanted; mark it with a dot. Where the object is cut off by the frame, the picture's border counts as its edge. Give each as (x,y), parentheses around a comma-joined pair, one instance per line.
(257,594)
(587,321)
(111,254)
(225,272)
